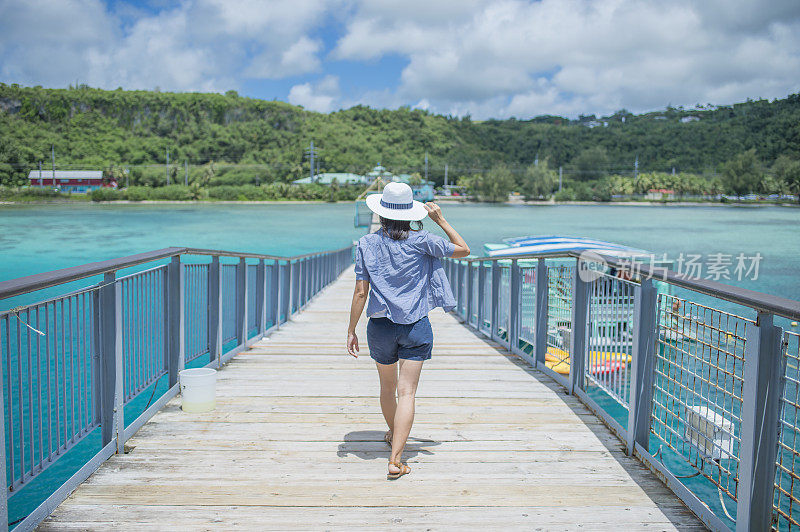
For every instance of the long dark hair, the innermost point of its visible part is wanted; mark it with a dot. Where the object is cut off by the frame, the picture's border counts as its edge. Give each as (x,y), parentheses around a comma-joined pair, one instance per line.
(398,229)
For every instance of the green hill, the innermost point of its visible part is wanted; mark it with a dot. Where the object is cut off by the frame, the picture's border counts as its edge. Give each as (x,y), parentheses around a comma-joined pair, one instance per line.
(257,141)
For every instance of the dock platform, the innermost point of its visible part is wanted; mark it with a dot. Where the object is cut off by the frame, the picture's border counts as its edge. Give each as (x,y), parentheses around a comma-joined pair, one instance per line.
(296,443)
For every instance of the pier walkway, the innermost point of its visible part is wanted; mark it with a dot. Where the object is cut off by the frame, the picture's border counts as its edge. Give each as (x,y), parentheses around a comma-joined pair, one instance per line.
(296,443)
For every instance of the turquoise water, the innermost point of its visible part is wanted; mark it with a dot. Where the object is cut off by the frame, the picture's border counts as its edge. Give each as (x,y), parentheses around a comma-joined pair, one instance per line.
(42,238)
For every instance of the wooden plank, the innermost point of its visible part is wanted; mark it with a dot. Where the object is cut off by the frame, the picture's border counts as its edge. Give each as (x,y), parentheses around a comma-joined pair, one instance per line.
(296,442)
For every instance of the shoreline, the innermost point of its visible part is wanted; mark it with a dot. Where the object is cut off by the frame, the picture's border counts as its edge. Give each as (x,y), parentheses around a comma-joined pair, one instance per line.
(445,200)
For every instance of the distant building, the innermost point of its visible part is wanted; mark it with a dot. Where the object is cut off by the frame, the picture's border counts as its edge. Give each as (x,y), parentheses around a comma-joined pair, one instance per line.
(687,119)
(659,194)
(80,181)
(659,117)
(327,178)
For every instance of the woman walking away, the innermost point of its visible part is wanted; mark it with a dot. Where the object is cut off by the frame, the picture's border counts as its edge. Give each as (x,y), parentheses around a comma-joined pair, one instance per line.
(402,266)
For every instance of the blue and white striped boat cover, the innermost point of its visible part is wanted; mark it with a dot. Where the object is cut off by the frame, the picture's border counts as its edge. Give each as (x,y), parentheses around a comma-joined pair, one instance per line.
(532,245)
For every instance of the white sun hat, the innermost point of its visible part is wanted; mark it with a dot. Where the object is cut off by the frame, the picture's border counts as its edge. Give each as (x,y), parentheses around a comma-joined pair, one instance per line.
(397,203)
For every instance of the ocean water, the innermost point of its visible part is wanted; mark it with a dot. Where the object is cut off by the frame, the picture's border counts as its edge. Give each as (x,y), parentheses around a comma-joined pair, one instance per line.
(36,239)
(42,238)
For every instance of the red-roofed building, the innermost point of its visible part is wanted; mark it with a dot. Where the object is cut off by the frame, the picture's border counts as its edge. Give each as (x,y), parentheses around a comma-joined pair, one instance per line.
(80,181)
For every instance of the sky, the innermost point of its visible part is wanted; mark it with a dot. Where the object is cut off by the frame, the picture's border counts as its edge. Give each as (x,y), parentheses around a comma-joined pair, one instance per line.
(486,59)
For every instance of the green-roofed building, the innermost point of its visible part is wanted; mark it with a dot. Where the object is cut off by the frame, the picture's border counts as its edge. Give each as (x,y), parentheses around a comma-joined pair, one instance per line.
(326,178)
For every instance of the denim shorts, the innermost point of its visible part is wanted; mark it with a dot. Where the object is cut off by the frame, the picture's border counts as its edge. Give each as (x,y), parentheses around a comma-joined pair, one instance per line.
(389,341)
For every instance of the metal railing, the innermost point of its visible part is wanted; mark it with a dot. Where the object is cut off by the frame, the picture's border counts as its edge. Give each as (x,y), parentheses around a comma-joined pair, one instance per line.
(703,388)
(78,369)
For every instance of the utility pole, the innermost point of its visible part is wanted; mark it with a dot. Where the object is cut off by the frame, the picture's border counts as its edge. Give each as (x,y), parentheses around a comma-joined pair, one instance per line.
(167,167)
(445,175)
(426,166)
(40,174)
(636,167)
(186,172)
(560,174)
(127,178)
(312,153)
(53,157)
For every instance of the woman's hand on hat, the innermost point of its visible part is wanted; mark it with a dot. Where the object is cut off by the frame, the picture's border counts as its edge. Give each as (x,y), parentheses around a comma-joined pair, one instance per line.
(434,212)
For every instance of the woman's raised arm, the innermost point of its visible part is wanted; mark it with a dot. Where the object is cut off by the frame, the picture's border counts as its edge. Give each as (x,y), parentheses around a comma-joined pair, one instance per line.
(435,214)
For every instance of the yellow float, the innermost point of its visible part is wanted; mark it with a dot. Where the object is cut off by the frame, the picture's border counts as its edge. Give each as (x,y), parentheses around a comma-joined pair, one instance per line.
(599,361)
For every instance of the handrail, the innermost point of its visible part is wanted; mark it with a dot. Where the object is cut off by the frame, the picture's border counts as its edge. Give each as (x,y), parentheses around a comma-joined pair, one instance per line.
(683,384)
(128,337)
(782,306)
(40,281)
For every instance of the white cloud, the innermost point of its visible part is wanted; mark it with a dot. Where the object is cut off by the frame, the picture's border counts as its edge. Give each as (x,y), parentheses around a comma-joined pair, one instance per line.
(568,57)
(321,96)
(205,45)
(487,58)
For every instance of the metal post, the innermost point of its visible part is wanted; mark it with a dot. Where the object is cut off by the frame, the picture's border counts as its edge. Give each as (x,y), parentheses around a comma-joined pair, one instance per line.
(275,294)
(174,319)
(461,299)
(764,367)
(481,293)
(287,290)
(214,310)
(111,364)
(643,363)
(241,301)
(495,299)
(4,496)
(301,285)
(578,334)
(470,303)
(515,298)
(540,326)
(261,299)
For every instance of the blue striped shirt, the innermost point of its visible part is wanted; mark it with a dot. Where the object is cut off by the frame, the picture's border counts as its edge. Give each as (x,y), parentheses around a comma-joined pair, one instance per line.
(406,277)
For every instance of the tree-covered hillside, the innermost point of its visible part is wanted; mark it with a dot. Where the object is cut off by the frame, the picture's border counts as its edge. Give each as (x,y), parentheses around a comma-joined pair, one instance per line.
(257,141)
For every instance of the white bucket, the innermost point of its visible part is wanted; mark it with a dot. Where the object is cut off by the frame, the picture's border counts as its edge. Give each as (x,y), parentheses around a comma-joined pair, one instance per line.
(198,389)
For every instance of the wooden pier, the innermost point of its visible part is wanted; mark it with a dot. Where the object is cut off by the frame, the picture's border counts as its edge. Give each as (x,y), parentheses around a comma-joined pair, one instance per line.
(296,443)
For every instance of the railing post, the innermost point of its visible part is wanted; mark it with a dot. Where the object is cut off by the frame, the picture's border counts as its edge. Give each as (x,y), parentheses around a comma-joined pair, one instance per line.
(470,303)
(643,363)
(241,302)
(214,310)
(111,364)
(174,325)
(462,300)
(515,293)
(761,395)
(275,294)
(495,299)
(287,290)
(481,294)
(261,299)
(579,321)
(4,495)
(295,305)
(301,280)
(540,326)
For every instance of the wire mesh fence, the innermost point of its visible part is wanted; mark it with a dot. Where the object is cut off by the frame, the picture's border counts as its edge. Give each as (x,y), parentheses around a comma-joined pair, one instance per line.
(786,497)
(697,397)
